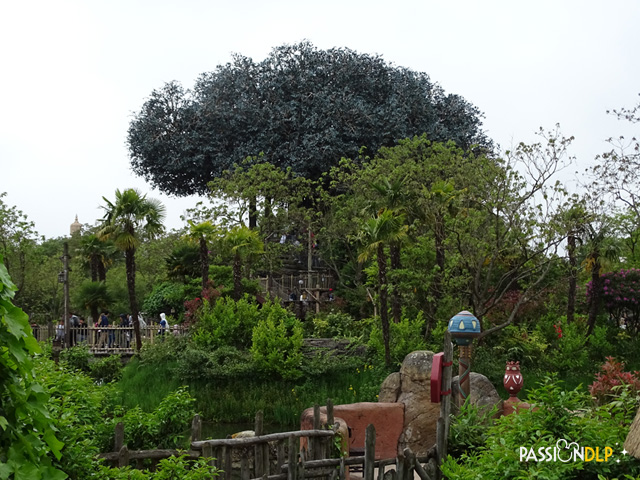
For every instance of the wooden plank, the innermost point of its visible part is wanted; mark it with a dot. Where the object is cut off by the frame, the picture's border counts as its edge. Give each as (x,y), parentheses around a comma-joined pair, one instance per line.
(369,452)
(243,442)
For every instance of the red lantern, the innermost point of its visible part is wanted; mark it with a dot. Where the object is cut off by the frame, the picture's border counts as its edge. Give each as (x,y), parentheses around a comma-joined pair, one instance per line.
(513,378)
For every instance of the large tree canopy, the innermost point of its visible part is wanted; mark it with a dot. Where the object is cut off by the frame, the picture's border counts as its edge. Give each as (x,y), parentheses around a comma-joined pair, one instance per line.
(301,107)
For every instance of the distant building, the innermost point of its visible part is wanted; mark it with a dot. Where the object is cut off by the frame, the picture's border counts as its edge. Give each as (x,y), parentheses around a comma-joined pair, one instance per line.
(75,226)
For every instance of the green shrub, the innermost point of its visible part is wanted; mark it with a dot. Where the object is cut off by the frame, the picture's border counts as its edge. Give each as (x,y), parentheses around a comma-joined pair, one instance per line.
(277,342)
(28,442)
(558,414)
(165,298)
(332,325)
(405,337)
(107,369)
(469,428)
(226,322)
(168,469)
(77,357)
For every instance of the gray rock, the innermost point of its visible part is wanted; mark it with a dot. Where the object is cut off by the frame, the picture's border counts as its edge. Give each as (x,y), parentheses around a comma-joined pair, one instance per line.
(390,389)
(482,393)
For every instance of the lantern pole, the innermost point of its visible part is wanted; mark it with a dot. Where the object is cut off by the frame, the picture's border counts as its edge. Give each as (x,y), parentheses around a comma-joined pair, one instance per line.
(464,327)
(464,371)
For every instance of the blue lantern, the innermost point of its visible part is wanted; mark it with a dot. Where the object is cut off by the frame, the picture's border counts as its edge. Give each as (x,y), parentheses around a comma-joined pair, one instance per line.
(464,327)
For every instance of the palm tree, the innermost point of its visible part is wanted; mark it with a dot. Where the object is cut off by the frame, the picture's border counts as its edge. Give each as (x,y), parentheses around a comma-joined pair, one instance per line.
(127,221)
(183,262)
(94,297)
(394,199)
(243,243)
(375,234)
(202,233)
(97,254)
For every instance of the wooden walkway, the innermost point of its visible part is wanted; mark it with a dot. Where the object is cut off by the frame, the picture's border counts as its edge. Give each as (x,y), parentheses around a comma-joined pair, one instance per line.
(110,340)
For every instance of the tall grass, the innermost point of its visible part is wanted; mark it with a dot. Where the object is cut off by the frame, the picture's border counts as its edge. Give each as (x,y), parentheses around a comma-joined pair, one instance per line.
(237,400)
(146,385)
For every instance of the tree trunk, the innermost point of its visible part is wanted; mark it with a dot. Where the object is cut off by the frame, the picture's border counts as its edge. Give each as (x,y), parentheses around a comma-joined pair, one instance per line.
(396,306)
(573,277)
(253,213)
(94,266)
(594,300)
(384,312)
(130,260)
(102,272)
(237,277)
(204,262)
(435,289)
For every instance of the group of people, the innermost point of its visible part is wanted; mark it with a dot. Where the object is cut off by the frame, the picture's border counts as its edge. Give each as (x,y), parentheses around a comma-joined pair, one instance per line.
(108,334)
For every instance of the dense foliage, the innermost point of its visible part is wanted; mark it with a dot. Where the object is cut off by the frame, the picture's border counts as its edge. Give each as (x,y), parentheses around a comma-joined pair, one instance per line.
(29,444)
(559,414)
(300,107)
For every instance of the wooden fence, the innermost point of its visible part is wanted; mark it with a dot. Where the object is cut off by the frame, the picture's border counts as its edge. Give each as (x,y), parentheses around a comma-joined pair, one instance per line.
(279,456)
(109,340)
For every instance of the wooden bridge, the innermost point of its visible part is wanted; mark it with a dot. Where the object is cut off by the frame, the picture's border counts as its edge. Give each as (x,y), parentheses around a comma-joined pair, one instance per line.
(108,340)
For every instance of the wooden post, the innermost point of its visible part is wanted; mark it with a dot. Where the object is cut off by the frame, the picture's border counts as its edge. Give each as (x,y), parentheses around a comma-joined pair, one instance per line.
(330,419)
(207,452)
(118,437)
(227,463)
(409,463)
(67,324)
(280,459)
(292,470)
(369,452)
(314,443)
(258,462)
(196,428)
(442,431)
(244,468)
(123,457)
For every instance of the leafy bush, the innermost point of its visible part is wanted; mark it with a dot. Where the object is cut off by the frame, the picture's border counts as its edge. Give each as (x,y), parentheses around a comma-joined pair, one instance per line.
(162,428)
(27,435)
(558,414)
(77,357)
(226,322)
(333,324)
(107,369)
(612,375)
(172,468)
(165,297)
(405,337)
(469,428)
(277,342)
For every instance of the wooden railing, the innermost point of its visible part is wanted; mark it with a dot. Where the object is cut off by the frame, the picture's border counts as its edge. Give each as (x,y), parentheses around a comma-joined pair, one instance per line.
(111,339)
(279,456)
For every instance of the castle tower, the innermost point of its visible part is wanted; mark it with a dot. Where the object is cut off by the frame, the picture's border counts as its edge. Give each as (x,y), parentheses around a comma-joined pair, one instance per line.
(75,226)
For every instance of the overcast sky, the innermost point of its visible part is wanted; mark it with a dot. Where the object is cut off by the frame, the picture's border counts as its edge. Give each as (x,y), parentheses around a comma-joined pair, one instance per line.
(73,72)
